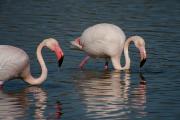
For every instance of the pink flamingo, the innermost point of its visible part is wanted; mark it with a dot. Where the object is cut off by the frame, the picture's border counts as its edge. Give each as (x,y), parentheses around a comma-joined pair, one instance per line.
(108,41)
(15,63)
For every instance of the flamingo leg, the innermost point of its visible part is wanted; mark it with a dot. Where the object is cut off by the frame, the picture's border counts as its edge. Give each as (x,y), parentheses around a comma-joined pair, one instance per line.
(1,85)
(106,65)
(83,62)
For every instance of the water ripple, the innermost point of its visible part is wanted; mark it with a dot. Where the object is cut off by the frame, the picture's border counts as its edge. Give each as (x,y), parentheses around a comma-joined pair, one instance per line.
(68,92)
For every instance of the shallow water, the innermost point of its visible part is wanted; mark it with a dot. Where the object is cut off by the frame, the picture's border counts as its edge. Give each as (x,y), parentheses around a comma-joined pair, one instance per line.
(90,94)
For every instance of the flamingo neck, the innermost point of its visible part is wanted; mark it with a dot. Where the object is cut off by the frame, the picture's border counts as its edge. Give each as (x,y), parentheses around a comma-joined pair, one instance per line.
(116,59)
(36,81)
(126,54)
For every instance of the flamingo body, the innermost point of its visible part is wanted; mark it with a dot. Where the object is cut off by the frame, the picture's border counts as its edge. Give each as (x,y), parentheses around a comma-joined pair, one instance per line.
(13,61)
(103,40)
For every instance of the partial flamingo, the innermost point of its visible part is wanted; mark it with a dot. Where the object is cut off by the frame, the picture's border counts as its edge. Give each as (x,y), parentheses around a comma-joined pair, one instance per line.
(108,41)
(15,63)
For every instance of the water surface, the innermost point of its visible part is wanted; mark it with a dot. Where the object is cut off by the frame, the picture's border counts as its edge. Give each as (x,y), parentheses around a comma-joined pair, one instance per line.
(93,94)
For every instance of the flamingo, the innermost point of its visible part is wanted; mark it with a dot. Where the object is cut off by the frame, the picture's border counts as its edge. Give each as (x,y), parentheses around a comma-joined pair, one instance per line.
(15,63)
(107,41)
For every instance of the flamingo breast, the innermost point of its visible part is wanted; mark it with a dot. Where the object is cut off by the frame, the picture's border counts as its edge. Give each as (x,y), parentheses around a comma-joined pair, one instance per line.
(103,40)
(12,62)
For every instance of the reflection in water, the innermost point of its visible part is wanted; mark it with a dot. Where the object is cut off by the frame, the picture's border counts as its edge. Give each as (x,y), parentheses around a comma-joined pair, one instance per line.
(58,110)
(14,105)
(11,107)
(139,97)
(111,95)
(40,98)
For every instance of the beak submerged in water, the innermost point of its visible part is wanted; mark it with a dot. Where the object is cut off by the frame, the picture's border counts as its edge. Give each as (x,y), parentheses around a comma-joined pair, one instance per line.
(142,62)
(143,56)
(60,61)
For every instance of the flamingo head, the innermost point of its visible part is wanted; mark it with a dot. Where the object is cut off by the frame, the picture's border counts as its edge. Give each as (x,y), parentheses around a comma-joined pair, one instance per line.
(140,44)
(54,46)
(76,44)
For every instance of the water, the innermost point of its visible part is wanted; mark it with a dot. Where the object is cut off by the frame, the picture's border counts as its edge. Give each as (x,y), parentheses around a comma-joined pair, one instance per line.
(93,94)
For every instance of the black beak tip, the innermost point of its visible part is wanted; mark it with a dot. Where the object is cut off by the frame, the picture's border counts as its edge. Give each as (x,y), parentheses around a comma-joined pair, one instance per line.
(142,62)
(60,61)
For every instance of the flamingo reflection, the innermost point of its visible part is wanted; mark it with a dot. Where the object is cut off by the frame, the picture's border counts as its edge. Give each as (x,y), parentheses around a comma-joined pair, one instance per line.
(111,94)
(40,97)
(33,99)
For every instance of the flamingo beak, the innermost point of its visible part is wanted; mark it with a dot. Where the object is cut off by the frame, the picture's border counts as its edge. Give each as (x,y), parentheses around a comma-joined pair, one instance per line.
(60,61)
(60,55)
(143,56)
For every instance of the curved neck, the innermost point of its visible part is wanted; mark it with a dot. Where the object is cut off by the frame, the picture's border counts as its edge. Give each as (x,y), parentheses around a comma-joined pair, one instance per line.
(126,53)
(36,81)
(116,59)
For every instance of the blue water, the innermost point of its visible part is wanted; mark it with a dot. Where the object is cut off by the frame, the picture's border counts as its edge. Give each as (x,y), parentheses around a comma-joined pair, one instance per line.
(93,94)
